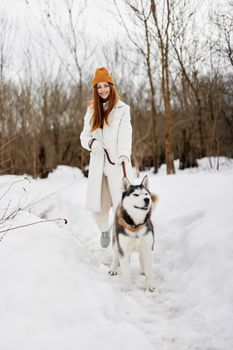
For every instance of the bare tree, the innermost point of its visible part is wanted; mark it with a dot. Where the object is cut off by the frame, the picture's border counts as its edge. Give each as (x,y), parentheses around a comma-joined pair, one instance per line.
(223,20)
(186,48)
(144,44)
(162,26)
(66,35)
(7,37)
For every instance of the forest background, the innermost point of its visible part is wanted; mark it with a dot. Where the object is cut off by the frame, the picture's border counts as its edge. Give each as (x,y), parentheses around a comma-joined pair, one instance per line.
(172,61)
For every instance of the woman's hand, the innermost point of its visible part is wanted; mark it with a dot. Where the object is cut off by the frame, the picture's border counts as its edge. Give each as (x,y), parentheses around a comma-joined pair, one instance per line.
(96,147)
(122,159)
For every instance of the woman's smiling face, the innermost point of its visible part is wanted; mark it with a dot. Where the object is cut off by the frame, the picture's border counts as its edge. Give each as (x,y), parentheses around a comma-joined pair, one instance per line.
(103,90)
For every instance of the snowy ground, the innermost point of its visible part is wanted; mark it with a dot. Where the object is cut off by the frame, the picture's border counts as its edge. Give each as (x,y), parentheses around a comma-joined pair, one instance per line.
(55,290)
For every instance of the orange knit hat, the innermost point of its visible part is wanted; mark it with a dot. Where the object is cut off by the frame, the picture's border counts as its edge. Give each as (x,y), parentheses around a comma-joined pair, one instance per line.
(102,75)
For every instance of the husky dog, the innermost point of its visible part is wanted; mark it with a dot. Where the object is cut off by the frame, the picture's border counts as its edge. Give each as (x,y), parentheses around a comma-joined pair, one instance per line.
(133,231)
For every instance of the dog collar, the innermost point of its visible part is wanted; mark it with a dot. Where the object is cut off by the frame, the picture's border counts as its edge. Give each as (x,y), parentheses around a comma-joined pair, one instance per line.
(132,228)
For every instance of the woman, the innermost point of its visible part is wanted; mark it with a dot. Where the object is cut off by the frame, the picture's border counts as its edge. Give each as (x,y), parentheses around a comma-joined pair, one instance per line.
(107,127)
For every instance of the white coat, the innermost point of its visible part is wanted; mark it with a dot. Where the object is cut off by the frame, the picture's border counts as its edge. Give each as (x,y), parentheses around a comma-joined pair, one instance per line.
(116,138)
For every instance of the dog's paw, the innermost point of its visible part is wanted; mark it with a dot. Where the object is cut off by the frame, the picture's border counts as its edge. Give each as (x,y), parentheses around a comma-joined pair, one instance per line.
(112,273)
(149,289)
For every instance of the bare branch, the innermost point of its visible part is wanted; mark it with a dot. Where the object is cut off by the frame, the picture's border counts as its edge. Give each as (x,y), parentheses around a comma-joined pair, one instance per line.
(30,224)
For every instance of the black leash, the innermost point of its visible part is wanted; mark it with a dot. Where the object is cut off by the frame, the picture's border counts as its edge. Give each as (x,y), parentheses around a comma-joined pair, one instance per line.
(123,163)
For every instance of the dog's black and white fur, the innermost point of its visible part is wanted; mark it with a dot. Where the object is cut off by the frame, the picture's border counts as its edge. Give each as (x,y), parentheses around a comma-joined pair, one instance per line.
(133,231)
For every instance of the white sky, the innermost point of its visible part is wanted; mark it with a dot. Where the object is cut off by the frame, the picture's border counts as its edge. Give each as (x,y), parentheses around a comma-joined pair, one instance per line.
(98,18)
(100,23)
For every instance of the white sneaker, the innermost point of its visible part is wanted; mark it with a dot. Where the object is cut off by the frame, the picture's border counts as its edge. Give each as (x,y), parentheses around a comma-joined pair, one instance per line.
(105,239)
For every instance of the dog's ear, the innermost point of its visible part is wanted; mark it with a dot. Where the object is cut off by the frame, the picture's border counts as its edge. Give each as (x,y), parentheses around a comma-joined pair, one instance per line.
(154,200)
(145,182)
(125,184)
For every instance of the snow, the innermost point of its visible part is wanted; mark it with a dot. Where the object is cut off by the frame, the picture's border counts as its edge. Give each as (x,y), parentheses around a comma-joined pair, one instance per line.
(55,289)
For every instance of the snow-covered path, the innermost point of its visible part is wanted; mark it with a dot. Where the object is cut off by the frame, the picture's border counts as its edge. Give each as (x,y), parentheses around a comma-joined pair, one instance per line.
(56,292)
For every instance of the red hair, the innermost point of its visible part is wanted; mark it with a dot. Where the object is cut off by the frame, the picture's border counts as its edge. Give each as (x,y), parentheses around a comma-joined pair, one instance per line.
(100,116)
